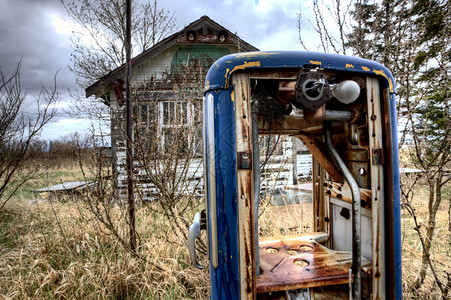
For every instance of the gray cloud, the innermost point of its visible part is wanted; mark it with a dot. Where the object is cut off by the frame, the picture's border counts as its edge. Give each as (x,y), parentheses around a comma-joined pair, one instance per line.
(27,33)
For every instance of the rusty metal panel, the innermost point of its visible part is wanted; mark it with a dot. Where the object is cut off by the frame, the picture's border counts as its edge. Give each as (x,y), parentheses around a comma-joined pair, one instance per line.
(377,188)
(343,192)
(289,75)
(319,151)
(291,125)
(246,233)
(295,262)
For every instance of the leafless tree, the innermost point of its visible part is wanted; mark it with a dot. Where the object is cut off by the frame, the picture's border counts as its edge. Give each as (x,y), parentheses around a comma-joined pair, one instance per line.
(19,130)
(98,42)
(99,38)
(326,13)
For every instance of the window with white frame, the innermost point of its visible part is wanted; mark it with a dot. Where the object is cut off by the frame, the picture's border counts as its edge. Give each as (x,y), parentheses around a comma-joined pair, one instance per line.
(145,128)
(178,124)
(167,125)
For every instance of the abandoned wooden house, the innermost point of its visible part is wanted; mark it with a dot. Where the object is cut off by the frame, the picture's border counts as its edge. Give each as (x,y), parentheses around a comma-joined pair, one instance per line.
(167,81)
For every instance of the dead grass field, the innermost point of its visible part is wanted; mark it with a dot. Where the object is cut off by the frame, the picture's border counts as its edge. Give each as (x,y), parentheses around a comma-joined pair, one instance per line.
(411,246)
(48,251)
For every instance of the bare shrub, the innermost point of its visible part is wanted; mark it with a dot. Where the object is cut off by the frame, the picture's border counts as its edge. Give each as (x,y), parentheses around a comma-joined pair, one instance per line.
(19,131)
(168,148)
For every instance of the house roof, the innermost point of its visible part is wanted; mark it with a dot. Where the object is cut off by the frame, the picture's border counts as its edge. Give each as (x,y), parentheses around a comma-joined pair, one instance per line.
(205,26)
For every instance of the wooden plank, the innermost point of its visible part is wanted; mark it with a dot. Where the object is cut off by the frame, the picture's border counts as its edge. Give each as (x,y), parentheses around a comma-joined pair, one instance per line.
(343,192)
(320,214)
(321,154)
(290,125)
(66,186)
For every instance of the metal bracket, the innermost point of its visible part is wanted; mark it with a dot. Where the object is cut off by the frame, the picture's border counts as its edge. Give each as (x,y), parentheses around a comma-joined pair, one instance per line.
(244,161)
(378,157)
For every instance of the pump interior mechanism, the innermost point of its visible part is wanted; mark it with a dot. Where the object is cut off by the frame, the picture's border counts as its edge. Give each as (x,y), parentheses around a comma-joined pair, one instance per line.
(335,247)
(337,116)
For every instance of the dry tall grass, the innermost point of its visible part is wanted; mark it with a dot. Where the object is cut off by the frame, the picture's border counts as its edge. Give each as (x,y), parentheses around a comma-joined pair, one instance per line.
(411,246)
(43,257)
(47,250)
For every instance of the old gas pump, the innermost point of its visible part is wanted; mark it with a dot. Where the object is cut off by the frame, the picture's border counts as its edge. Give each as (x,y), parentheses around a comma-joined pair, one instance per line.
(344,113)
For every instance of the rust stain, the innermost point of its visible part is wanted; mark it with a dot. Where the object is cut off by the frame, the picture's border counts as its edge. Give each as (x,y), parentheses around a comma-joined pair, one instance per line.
(279,264)
(343,191)
(349,66)
(365,69)
(245,188)
(319,151)
(315,62)
(232,96)
(246,244)
(319,266)
(290,125)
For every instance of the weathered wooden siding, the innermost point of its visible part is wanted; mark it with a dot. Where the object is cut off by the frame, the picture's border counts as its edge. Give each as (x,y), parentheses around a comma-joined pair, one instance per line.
(277,175)
(176,74)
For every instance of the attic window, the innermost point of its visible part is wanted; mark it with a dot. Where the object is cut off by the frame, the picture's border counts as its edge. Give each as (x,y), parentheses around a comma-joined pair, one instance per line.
(190,35)
(222,36)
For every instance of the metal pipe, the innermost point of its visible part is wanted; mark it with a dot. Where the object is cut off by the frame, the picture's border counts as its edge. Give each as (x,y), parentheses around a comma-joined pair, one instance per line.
(256,168)
(204,144)
(333,115)
(356,231)
(338,115)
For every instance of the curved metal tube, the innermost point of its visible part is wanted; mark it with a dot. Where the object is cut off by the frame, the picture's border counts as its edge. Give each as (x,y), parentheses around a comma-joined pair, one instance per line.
(356,231)
(193,234)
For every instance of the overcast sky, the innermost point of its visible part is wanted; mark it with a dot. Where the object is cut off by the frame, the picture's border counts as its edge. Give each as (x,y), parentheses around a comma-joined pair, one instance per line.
(34,31)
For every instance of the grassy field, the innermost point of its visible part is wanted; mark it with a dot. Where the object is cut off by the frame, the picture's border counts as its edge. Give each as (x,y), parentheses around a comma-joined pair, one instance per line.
(411,246)
(48,250)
